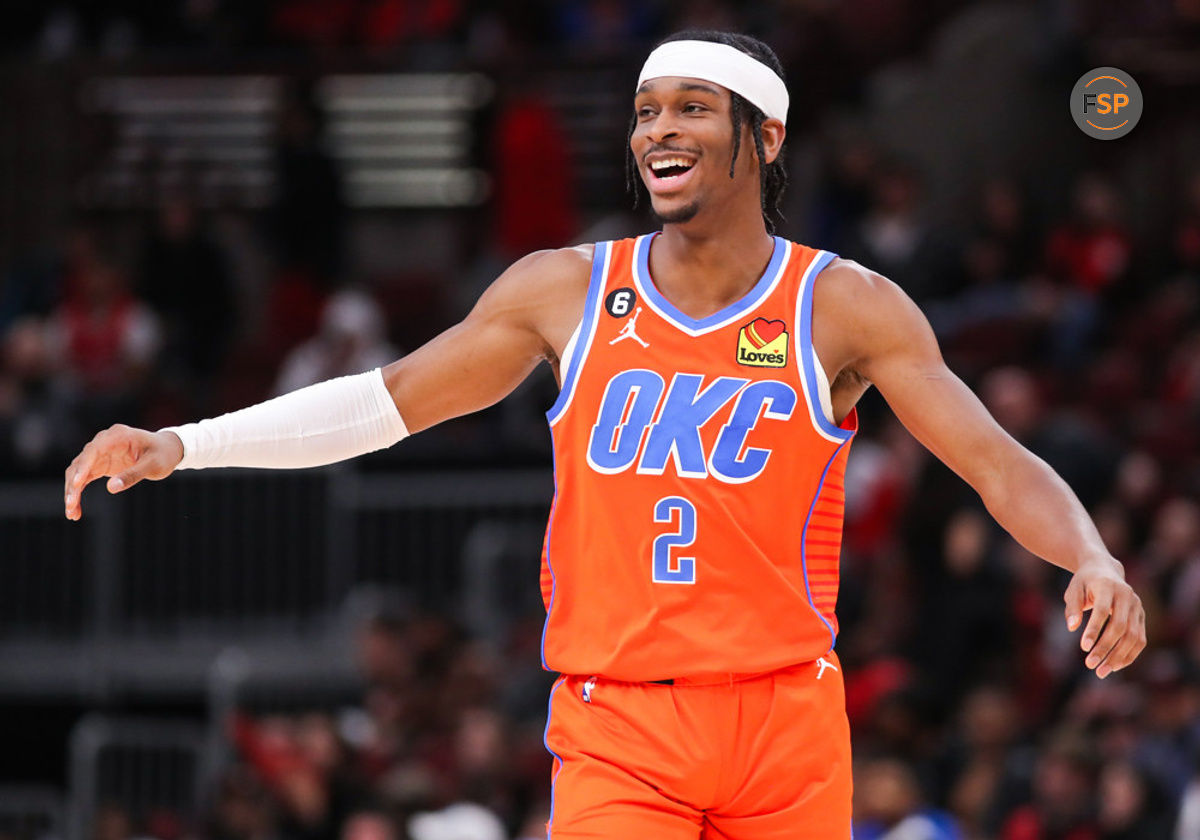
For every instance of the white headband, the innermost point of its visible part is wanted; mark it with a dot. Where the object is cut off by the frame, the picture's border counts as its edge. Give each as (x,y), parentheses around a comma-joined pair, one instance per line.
(724,65)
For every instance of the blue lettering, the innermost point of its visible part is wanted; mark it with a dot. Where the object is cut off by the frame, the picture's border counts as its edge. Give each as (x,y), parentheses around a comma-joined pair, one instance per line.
(617,435)
(677,430)
(766,398)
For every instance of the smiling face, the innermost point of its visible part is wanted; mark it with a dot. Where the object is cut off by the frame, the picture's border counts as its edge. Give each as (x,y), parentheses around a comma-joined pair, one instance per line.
(683,143)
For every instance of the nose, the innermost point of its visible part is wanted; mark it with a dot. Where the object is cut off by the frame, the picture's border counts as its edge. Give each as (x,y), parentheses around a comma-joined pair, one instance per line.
(662,127)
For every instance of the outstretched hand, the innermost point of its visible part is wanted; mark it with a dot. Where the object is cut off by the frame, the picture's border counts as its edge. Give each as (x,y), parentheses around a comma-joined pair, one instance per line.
(126,456)
(1116,631)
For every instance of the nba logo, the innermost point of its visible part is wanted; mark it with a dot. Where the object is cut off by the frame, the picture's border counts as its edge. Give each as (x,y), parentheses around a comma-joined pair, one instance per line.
(587,690)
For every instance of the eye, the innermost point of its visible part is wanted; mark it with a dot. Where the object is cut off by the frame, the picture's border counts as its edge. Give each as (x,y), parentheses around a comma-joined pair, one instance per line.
(645,111)
(693,108)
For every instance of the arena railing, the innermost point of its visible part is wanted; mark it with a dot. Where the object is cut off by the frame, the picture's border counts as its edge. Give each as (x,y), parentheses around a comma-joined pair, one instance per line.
(145,592)
(143,770)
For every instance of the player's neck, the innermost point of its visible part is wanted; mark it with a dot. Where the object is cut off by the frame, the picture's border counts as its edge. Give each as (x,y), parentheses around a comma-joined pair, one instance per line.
(703,269)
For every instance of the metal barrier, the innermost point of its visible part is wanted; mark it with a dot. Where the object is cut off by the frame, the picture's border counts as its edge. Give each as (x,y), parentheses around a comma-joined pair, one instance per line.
(32,813)
(148,588)
(147,769)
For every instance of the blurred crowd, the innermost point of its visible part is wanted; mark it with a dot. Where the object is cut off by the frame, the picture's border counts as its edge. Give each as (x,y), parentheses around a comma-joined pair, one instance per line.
(444,744)
(973,716)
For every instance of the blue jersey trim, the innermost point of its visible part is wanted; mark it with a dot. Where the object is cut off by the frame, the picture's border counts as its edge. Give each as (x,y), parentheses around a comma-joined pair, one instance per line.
(666,308)
(546,743)
(808,356)
(804,541)
(587,328)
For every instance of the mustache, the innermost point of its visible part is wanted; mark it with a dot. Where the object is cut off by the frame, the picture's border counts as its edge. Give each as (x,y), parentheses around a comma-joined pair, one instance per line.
(657,149)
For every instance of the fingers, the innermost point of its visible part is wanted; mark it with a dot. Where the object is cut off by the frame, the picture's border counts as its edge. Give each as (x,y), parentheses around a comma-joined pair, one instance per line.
(130,477)
(1116,630)
(1075,597)
(79,474)
(1132,643)
(1101,597)
(95,460)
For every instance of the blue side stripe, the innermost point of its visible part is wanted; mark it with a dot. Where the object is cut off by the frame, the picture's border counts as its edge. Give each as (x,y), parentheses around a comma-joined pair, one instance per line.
(586,330)
(808,357)
(804,542)
(750,300)
(546,744)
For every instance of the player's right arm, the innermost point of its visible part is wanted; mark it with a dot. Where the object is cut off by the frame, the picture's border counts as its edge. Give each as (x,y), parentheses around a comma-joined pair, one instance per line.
(525,316)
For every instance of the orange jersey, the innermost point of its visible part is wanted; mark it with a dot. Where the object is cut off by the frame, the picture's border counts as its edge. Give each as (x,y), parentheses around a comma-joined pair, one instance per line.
(697,517)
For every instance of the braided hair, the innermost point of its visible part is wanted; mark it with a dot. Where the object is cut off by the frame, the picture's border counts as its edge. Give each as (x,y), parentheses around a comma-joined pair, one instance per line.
(772,176)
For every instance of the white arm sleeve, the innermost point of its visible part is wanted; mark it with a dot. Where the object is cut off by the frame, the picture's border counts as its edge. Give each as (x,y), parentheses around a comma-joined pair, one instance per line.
(323,423)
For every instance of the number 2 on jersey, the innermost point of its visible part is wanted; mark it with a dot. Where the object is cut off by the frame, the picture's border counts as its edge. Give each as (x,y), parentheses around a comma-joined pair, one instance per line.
(684,568)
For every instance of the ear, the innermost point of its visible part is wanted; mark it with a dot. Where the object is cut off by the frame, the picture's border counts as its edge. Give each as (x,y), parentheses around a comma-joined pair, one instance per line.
(773,134)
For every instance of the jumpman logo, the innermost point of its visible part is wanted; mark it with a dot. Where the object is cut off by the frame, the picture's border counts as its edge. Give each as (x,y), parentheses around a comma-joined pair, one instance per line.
(629,330)
(823,663)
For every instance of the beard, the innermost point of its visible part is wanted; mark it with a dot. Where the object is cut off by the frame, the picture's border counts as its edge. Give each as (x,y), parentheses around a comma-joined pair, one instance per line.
(677,216)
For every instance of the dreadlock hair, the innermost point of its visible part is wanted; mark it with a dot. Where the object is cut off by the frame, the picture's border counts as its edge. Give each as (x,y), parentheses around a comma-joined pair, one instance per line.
(772,177)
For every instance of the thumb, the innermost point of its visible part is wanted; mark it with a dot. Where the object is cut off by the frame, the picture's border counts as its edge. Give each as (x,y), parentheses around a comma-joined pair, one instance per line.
(126,479)
(1075,598)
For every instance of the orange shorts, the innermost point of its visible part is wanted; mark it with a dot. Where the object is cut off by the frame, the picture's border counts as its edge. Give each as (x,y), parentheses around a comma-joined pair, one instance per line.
(760,758)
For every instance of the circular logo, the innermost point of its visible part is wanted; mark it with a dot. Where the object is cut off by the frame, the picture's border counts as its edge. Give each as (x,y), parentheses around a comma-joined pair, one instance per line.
(619,302)
(1106,103)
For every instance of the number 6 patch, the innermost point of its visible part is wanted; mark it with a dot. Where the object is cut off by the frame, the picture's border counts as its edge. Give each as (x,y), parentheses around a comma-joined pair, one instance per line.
(619,302)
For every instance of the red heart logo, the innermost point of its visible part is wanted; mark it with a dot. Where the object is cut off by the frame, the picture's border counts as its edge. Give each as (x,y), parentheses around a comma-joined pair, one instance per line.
(762,332)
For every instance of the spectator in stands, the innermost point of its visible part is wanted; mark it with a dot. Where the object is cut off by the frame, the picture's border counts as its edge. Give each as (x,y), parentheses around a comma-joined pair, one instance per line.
(242,810)
(35,425)
(1130,807)
(184,276)
(1060,807)
(102,343)
(1089,256)
(305,222)
(964,634)
(1172,557)
(888,805)
(1071,444)
(991,317)
(1002,217)
(308,213)
(351,339)
(1092,251)
(843,194)
(28,288)
(1169,744)
(896,239)
(984,761)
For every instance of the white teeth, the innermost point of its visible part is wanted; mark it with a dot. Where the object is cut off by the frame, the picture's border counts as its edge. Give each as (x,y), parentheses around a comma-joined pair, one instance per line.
(659,165)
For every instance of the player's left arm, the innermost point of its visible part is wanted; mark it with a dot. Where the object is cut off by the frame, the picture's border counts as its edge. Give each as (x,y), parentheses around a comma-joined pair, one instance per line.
(888,342)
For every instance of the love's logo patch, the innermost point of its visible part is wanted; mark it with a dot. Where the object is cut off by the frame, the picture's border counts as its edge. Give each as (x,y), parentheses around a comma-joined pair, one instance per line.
(763,343)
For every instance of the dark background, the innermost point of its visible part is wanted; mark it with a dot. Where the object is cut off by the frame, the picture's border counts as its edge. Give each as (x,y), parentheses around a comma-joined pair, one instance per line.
(203,203)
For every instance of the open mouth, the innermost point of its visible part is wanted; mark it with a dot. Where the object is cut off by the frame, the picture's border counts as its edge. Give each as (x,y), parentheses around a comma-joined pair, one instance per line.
(668,168)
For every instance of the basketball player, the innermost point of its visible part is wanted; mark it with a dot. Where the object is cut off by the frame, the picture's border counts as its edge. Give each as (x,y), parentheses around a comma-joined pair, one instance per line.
(691,559)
